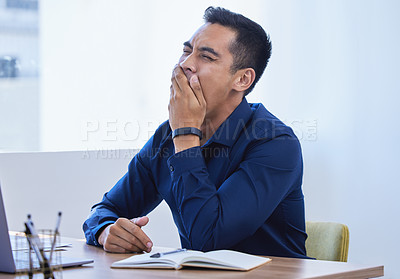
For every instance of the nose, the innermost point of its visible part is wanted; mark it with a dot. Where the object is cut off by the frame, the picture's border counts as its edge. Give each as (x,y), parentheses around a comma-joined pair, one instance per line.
(188,65)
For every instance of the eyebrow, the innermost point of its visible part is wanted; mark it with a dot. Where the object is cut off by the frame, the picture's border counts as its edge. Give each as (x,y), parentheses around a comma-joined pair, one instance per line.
(206,49)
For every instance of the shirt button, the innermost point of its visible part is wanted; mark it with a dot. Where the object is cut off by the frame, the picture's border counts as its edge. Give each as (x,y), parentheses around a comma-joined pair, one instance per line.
(171,168)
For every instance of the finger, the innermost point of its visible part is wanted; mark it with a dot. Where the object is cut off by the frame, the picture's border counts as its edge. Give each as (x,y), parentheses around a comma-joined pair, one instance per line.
(113,248)
(198,91)
(140,221)
(128,240)
(171,96)
(173,77)
(138,233)
(175,89)
(118,245)
(115,244)
(175,67)
(131,233)
(181,79)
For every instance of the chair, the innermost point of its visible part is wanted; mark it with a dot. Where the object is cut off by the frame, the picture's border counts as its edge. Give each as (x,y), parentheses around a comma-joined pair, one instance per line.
(327,241)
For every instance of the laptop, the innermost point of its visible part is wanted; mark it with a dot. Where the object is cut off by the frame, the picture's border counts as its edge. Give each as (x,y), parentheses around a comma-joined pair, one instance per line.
(8,261)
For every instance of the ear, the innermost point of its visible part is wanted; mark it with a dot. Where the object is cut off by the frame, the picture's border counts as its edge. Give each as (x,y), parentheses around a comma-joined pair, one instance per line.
(244,78)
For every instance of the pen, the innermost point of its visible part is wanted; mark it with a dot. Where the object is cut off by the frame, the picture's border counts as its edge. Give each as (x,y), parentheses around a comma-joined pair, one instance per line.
(157,255)
(30,270)
(34,242)
(55,236)
(33,239)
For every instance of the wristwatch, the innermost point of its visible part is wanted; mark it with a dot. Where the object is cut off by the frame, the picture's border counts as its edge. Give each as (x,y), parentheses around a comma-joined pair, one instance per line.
(187,131)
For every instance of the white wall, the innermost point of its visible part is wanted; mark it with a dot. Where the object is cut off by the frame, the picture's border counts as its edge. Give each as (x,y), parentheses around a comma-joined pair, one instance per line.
(19,114)
(337,62)
(332,76)
(19,97)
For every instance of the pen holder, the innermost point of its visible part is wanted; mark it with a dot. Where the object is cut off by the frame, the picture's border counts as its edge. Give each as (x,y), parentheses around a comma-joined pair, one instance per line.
(27,261)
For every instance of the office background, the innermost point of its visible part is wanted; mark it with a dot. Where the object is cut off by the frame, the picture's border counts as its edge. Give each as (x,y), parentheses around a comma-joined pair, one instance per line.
(101,83)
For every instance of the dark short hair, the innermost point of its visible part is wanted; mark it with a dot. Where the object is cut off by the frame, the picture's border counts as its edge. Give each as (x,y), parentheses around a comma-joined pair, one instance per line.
(252,47)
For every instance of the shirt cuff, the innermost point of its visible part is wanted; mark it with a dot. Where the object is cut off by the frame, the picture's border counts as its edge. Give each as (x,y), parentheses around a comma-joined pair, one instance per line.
(185,160)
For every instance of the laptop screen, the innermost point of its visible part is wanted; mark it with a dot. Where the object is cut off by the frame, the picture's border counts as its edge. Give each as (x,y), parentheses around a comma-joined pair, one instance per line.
(7,263)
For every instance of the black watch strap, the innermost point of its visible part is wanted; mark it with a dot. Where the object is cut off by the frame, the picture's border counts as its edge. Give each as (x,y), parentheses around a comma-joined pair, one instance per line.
(187,131)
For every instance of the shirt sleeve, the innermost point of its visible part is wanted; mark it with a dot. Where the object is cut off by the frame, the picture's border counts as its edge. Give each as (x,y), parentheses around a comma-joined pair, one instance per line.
(219,218)
(134,195)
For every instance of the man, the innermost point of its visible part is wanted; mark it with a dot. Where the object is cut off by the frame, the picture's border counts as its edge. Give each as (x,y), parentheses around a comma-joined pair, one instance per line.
(230,171)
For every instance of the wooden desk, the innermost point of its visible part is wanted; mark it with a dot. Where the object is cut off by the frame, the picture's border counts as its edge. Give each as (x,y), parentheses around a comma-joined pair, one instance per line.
(277,268)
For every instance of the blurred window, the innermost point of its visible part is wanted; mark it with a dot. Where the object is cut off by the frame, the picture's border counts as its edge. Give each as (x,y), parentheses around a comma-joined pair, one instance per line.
(19,74)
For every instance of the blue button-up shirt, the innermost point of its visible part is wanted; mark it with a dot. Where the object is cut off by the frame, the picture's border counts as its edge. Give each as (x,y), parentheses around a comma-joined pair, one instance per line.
(241,190)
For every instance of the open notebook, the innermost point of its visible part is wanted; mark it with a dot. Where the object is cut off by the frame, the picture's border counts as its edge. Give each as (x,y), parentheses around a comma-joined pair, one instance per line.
(219,259)
(8,263)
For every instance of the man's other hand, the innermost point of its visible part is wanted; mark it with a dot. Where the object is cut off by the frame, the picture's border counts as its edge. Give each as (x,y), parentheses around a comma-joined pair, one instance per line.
(187,106)
(125,236)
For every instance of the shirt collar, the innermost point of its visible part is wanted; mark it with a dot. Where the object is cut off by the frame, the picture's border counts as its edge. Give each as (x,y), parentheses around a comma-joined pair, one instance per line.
(231,128)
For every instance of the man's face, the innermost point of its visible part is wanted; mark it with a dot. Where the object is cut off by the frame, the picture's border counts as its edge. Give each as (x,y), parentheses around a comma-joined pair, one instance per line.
(207,56)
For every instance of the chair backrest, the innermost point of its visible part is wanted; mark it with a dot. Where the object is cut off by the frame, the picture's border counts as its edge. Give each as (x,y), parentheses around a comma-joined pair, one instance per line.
(327,241)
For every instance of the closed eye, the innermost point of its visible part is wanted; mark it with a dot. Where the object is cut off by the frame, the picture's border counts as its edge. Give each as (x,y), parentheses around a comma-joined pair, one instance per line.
(208,57)
(187,48)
